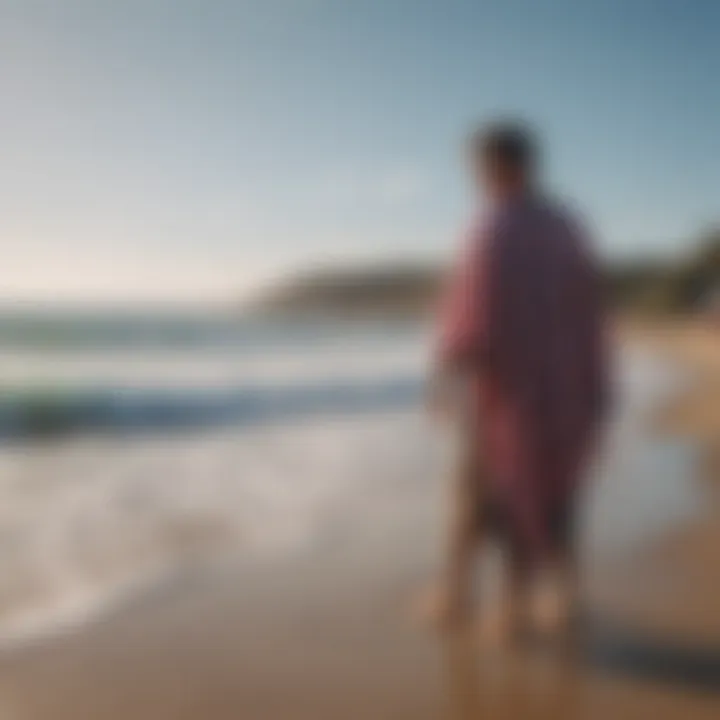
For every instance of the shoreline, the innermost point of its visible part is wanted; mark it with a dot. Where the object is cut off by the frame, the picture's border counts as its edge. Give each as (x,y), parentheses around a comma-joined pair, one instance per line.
(695,413)
(688,553)
(322,635)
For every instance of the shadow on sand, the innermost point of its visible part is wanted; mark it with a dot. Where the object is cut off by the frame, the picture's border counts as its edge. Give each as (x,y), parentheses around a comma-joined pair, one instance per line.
(552,681)
(619,649)
(527,684)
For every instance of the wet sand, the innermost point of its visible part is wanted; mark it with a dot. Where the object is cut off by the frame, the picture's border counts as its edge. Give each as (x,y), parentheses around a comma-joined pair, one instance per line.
(325,650)
(324,634)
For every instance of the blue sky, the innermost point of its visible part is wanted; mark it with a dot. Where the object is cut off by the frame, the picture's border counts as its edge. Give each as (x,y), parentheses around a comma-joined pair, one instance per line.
(191,149)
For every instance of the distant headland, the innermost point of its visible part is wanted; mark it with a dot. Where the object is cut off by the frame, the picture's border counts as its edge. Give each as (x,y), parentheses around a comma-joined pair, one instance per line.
(398,290)
(655,286)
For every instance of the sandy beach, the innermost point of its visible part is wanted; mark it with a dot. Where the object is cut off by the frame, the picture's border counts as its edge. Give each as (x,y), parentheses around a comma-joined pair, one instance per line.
(302,360)
(323,632)
(695,413)
(690,553)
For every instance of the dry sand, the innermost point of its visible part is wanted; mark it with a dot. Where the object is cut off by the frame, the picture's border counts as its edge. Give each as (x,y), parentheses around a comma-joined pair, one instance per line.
(324,636)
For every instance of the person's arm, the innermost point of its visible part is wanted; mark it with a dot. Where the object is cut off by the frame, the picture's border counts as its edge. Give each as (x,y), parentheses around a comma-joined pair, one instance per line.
(459,324)
(462,342)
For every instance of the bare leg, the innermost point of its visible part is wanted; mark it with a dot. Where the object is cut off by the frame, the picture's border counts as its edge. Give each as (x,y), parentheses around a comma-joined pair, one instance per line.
(558,598)
(506,623)
(450,603)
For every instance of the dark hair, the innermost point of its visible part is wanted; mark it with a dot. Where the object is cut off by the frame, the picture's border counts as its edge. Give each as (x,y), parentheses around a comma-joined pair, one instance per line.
(511,143)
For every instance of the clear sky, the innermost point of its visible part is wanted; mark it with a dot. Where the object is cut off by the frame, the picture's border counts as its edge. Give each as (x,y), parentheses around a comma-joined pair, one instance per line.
(190,148)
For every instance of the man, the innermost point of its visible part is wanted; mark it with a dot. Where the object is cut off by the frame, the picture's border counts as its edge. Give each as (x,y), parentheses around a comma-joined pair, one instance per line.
(522,328)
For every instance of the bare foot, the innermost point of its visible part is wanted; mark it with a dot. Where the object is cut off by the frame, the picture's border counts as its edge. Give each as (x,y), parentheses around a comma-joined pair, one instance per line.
(443,609)
(553,609)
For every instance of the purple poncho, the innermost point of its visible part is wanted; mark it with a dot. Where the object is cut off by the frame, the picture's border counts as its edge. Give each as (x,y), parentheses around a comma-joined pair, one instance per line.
(523,309)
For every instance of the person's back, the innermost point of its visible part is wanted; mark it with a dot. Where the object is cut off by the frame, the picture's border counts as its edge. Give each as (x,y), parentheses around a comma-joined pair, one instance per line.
(546,356)
(523,316)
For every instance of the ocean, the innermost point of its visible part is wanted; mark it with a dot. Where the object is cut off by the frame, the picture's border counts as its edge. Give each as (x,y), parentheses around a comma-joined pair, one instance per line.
(134,448)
